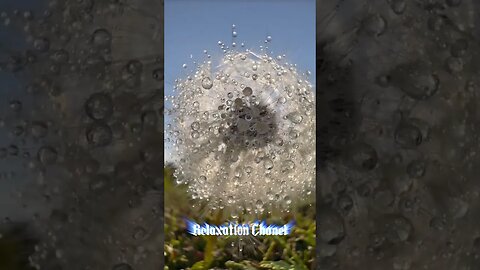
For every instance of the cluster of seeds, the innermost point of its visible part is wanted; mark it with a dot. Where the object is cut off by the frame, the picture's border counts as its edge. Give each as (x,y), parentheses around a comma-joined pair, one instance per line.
(243,134)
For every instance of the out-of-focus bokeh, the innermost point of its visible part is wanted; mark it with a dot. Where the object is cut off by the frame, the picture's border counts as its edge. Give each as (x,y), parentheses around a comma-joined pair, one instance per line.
(81,136)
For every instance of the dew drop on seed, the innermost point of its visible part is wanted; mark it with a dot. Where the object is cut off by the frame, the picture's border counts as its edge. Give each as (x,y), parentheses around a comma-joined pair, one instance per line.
(268,164)
(295,117)
(207,83)
(288,200)
(247,91)
(195,126)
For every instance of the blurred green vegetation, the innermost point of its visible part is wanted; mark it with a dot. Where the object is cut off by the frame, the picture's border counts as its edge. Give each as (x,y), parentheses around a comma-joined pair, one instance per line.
(184,251)
(16,244)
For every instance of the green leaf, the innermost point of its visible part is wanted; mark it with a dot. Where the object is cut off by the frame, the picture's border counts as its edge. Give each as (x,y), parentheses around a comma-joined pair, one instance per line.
(239,266)
(279,265)
(201,265)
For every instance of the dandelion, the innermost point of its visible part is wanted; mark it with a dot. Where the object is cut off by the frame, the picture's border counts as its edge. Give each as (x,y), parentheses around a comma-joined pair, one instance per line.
(243,132)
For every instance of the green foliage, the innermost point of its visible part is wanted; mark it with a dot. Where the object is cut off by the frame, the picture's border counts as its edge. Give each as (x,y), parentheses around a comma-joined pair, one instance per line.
(184,251)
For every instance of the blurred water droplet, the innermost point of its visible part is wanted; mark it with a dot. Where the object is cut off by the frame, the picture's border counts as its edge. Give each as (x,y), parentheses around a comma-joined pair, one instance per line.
(407,135)
(207,83)
(41,44)
(416,168)
(47,155)
(99,106)
(375,25)
(99,134)
(398,6)
(101,38)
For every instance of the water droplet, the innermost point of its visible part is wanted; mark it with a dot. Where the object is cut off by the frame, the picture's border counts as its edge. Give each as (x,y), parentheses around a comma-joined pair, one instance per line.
(39,129)
(134,67)
(416,168)
(13,150)
(375,25)
(269,38)
(99,134)
(99,106)
(16,105)
(268,164)
(47,155)
(207,83)
(259,204)
(288,200)
(247,91)
(398,229)
(454,65)
(101,38)
(28,15)
(295,117)
(195,134)
(195,126)
(415,80)
(139,233)
(407,135)
(398,6)
(60,56)
(184,66)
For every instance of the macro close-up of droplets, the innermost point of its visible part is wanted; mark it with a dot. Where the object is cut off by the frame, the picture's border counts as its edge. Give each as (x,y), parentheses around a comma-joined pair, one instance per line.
(81,134)
(243,130)
(397,131)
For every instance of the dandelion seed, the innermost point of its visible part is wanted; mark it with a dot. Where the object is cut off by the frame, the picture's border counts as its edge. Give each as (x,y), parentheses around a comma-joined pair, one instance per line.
(249,136)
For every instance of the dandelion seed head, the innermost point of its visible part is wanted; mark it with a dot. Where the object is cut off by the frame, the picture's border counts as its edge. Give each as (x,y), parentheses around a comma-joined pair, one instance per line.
(244,132)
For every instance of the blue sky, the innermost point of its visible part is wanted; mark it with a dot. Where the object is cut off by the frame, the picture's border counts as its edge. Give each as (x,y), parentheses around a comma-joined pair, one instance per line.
(192,26)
